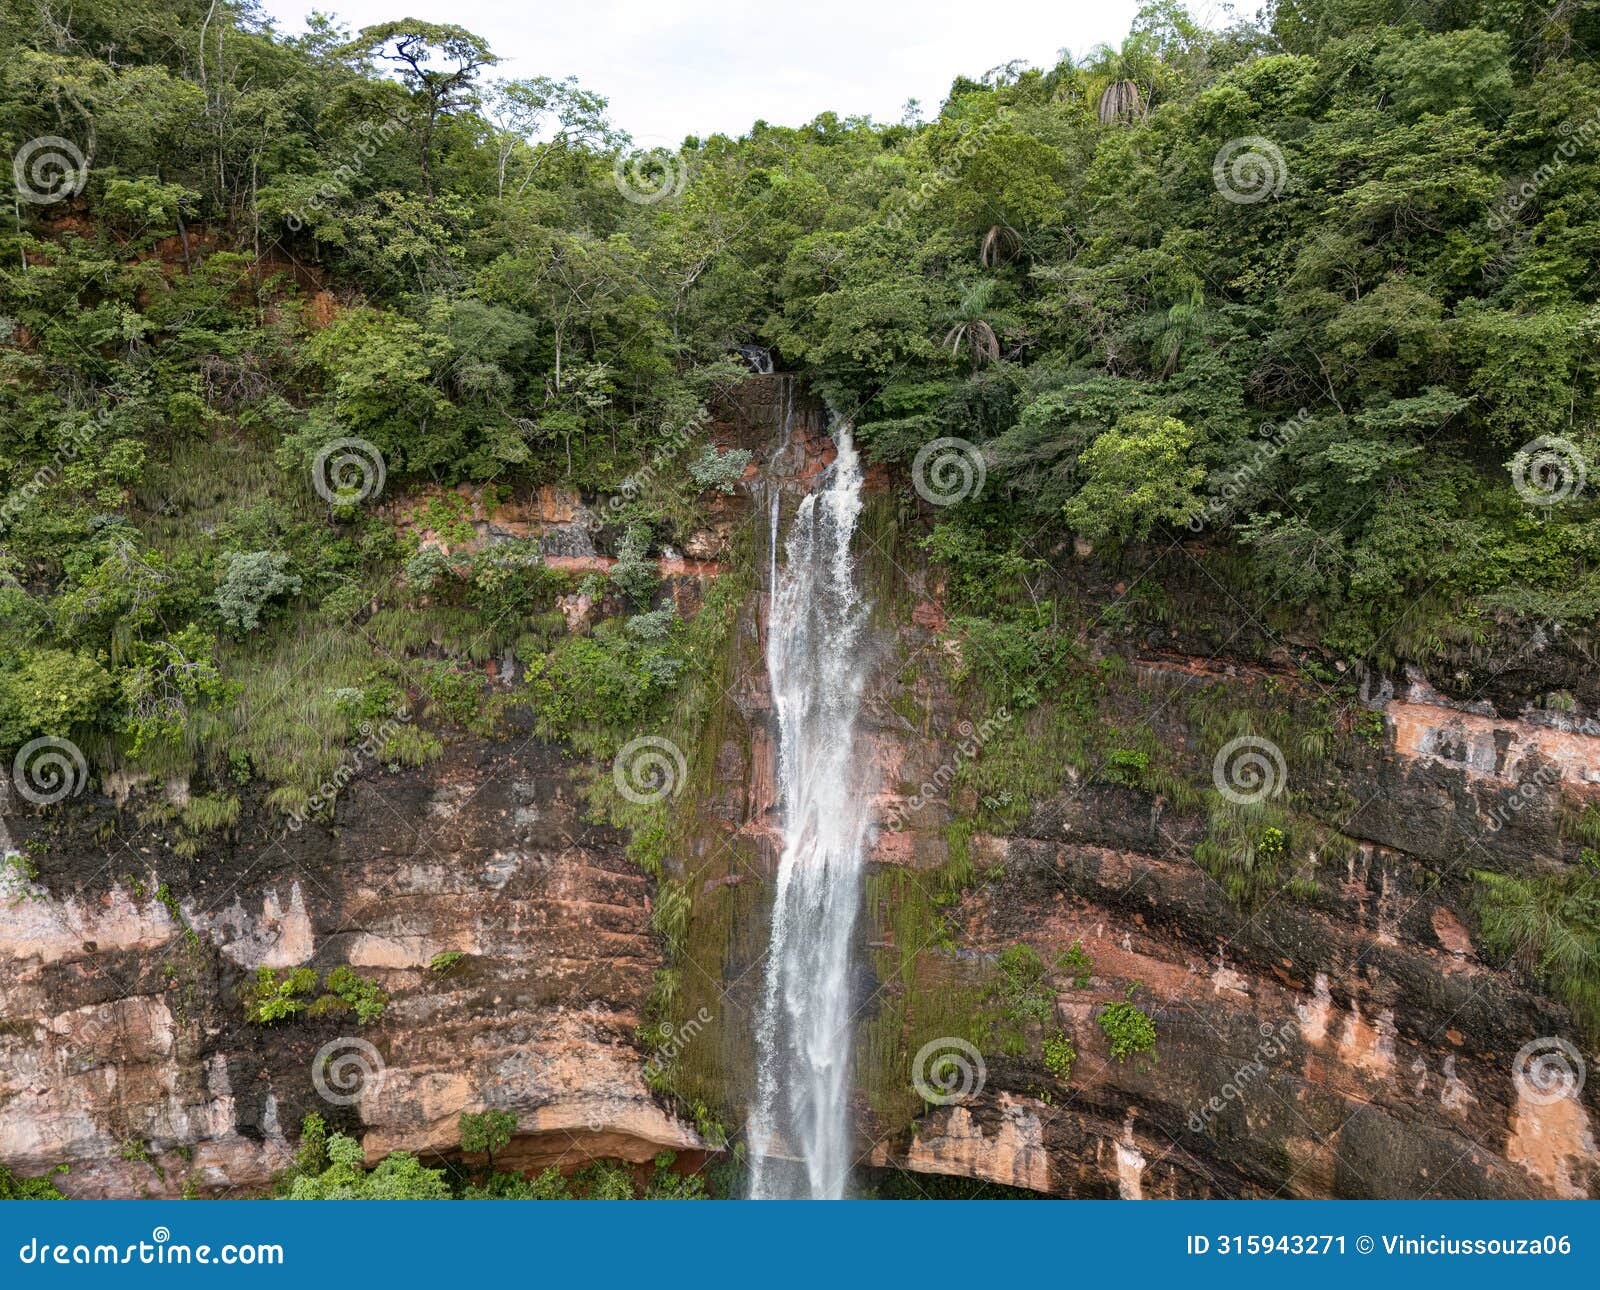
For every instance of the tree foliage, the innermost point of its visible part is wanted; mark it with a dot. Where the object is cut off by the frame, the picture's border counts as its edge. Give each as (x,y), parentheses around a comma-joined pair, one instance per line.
(1315,287)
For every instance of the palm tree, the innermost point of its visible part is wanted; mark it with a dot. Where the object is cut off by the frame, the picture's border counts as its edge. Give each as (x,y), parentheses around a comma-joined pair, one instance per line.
(1185,318)
(999,244)
(971,325)
(1120,101)
(1118,82)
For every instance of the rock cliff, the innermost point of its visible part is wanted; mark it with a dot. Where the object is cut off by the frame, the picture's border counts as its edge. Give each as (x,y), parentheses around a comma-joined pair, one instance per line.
(1343,1034)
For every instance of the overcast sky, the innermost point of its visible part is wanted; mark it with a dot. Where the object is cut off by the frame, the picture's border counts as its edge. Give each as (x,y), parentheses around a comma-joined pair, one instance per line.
(677,67)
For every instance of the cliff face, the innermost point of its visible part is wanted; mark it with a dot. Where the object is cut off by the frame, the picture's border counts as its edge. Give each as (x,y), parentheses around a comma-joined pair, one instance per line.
(1345,1038)
(124,1035)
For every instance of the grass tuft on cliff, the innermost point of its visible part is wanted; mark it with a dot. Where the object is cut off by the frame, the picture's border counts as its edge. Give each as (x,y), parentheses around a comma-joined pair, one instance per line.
(1549,925)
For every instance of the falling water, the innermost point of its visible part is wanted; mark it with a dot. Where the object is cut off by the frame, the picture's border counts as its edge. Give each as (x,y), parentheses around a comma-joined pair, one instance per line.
(816,667)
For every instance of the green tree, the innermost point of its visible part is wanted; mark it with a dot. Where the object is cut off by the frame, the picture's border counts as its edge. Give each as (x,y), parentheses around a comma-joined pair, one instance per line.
(1136,476)
(249,580)
(413,48)
(488,1132)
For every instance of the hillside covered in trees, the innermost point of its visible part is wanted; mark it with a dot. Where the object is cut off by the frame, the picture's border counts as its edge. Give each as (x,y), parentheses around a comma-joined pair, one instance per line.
(1319,288)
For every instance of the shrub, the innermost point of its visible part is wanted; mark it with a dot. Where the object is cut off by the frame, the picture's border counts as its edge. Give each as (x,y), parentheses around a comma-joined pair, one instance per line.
(1059,1054)
(1127,767)
(400,1176)
(719,470)
(362,996)
(486,1131)
(249,580)
(1137,475)
(426,566)
(547,1185)
(14,1188)
(269,998)
(652,628)
(166,682)
(608,681)
(604,1180)
(1128,1028)
(49,692)
(634,574)
(455,692)
(512,578)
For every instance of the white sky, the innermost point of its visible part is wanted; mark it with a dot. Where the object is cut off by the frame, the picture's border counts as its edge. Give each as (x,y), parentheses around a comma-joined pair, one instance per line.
(677,67)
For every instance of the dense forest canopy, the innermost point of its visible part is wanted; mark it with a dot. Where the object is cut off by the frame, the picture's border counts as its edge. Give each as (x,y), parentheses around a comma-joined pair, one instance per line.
(1314,295)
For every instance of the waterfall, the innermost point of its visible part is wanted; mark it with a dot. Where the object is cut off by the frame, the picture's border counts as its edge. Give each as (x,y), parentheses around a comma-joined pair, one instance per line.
(817,670)
(758,357)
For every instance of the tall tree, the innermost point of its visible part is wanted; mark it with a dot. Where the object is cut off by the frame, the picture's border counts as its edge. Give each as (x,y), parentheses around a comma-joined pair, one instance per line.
(413,47)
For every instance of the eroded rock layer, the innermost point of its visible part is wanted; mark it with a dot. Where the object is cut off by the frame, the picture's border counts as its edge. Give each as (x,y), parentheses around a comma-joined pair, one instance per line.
(124,1037)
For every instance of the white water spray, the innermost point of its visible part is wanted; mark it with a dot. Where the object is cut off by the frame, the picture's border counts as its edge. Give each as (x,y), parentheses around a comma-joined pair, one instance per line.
(816,666)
